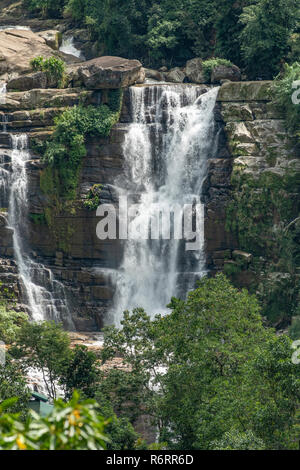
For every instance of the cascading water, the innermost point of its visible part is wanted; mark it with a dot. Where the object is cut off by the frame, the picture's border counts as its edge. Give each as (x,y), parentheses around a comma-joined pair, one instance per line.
(166,151)
(44,295)
(68,47)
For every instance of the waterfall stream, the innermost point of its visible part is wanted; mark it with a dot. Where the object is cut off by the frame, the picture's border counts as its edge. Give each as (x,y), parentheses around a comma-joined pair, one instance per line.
(68,47)
(44,296)
(166,151)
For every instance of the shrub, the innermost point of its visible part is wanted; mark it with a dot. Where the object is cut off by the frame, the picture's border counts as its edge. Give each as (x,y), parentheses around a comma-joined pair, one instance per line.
(10,323)
(285,88)
(73,425)
(53,67)
(52,8)
(93,197)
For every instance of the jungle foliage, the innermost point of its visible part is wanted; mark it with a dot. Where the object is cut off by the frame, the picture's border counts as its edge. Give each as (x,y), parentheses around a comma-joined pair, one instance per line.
(256,35)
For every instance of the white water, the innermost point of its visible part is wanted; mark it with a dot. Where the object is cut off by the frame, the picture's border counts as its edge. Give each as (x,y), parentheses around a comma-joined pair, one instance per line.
(34,276)
(68,47)
(44,295)
(166,151)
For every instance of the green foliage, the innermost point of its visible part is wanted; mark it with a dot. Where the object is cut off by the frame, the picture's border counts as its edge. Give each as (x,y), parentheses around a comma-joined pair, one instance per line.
(228,29)
(262,214)
(268,25)
(72,425)
(285,88)
(53,67)
(92,200)
(207,369)
(209,64)
(66,148)
(235,440)
(80,372)
(13,384)
(38,219)
(10,323)
(52,8)
(254,34)
(46,347)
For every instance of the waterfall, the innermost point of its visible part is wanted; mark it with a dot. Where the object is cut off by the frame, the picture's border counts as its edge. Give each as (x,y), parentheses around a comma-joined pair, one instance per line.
(68,47)
(44,296)
(166,150)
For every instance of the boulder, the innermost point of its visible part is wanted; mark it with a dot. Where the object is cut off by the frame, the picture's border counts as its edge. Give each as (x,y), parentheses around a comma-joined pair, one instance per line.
(142,76)
(28,82)
(175,75)
(154,75)
(18,47)
(194,71)
(225,72)
(106,72)
(246,91)
(52,37)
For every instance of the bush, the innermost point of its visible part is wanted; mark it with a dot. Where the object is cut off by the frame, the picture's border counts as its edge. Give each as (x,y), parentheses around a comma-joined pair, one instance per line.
(66,148)
(53,67)
(52,8)
(93,197)
(209,64)
(10,323)
(285,88)
(73,425)
(264,39)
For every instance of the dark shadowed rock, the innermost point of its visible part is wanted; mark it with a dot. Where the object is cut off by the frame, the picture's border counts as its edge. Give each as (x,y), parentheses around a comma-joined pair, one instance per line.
(28,82)
(106,72)
(175,75)
(194,71)
(154,75)
(225,72)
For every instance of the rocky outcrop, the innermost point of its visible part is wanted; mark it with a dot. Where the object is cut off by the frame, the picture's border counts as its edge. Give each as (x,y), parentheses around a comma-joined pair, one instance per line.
(53,38)
(28,82)
(106,72)
(175,75)
(225,72)
(18,47)
(252,196)
(194,70)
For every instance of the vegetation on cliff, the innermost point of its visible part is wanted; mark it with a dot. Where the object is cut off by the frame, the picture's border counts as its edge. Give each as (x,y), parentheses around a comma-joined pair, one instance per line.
(63,154)
(256,35)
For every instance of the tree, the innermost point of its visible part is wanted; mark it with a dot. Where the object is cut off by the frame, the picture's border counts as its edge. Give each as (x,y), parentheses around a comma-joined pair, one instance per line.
(46,347)
(80,372)
(205,370)
(13,384)
(267,27)
(228,29)
(10,323)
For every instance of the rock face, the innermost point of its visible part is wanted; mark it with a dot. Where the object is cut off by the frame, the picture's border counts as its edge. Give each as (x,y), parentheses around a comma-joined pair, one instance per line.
(225,72)
(252,194)
(194,71)
(175,75)
(53,38)
(18,47)
(106,72)
(28,82)
(154,75)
